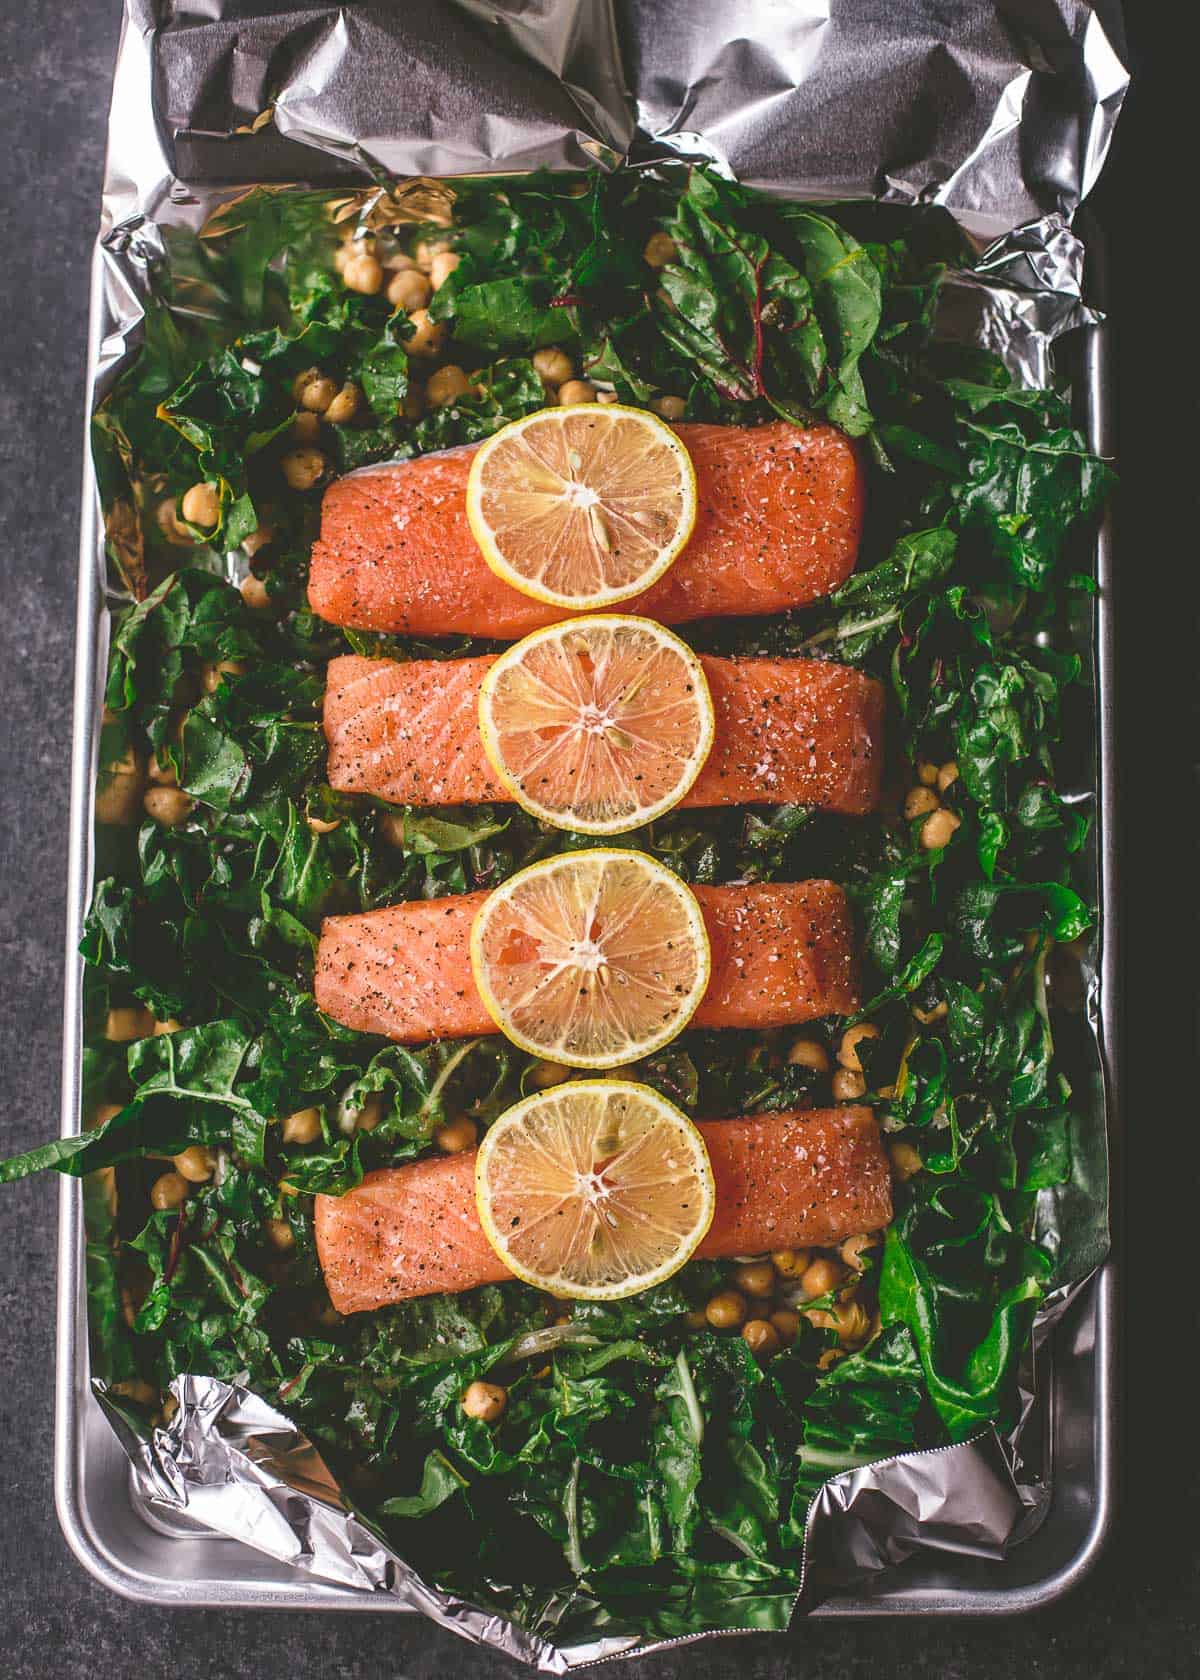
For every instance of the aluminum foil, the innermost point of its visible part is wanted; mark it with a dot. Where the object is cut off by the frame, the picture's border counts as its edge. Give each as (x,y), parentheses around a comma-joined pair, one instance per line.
(1000,111)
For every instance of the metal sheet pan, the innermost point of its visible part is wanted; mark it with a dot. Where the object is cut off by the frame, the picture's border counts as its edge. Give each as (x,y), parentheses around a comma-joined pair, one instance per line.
(153,1561)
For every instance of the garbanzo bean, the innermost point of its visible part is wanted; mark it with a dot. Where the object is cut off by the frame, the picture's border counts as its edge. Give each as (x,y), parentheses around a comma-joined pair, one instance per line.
(854,1248)
(442,267)
(279,1234)
(446,386)
(258,538)
(761,1337)
(726,1310)
(303,468)
(309,387)
(196,1163)
(429,336)
(255,593)
(821,1276)
(787,1325)
(201,505)
(851,1039)
(306,427)
(409,290)
(670,408)
(161,770)
(164,1029)
(756,1277)
(808,1053)
(169,806)
(918,802)
(947,775)
(846,1317)
(166,517)
(412,403)
(485,1401)
(119,791)
(790,1262)
(847,1086)
(169,1191)
(370,1114)
(577,391)
(905,1158)
(304,1126)
(344,406)
(211,676)
(425,250)
(938,829)
(544,1074)
(457,1136)
(363,273)
(553,366)
(927,772)
(660,249)
(124,1025)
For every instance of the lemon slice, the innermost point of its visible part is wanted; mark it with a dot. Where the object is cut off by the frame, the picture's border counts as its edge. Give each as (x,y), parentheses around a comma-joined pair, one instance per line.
(597,724)
(591,958)
(595,1190)
(582,506)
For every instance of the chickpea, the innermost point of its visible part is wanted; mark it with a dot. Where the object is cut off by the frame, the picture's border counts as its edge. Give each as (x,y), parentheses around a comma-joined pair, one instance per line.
(318,394)
(202,505)
(830,1358)
(457,1136)
(212,676)
(304,1126)
(660,249)
(670,408)
(726,1310)
(697,1319)
(761,1337)
(167,519)
(303,468)
(808,1053)
(342,256)
(409,290)
(103,1113)
(255,593)
(425,250)
(169,806)
(161,770)
(323,825)
(851,1039)
(905,1158)
(938,829)
(790,1262)
(821,1276)
(429,337)
(847,1086)
(553,367)
(412,404)
(485,1401)
(136,1389)
(577,391)
(344,405)
(363,273)
(947,775)
(306,427)
(279,1234)
(846,1317)
(169,1191)
(927,773)
(123,1026)
(607,397)
(854,1248)
(787,1325)
(397,261)
(164,1029)
(446,386)
(119,791)
(442,267)
(196,1163)
(390,828)
(756,1277)
(927,1017)
(370,1114)
(544,1074)
(258,538)
(310,378)
(918,802)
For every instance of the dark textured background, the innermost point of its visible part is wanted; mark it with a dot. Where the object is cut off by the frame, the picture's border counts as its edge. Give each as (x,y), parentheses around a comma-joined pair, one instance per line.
(1140,1612)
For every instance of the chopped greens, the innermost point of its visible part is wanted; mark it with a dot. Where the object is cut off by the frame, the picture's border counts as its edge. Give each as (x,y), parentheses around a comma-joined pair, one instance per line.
(648,1472)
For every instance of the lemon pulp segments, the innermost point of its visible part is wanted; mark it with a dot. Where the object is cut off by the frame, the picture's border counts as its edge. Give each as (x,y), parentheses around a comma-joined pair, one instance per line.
(596,1189)
(597,724)
(582,506)
(591,958)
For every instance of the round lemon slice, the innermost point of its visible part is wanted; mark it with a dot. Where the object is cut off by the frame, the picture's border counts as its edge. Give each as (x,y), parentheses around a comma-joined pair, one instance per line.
(597,724)
(594,1190)
(582,506)
(591,958)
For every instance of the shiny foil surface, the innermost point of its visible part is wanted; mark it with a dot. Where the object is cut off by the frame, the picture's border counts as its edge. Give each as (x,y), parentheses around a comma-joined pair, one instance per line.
(1000,111)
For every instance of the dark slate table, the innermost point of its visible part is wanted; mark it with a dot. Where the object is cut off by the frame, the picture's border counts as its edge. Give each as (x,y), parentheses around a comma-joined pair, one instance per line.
(1139,1614)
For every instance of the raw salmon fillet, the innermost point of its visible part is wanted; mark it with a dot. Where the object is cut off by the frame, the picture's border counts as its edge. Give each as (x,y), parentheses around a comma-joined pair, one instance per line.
(788,731)
(781,953)
(782,1181)
(777,525)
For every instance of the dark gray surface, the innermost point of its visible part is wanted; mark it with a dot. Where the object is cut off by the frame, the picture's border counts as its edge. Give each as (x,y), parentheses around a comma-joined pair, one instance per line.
(1140,1612)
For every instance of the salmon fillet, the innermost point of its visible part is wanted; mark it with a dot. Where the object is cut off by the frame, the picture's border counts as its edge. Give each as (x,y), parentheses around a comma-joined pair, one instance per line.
(782,1181)
(781,953)
(788,732)
(778,521)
